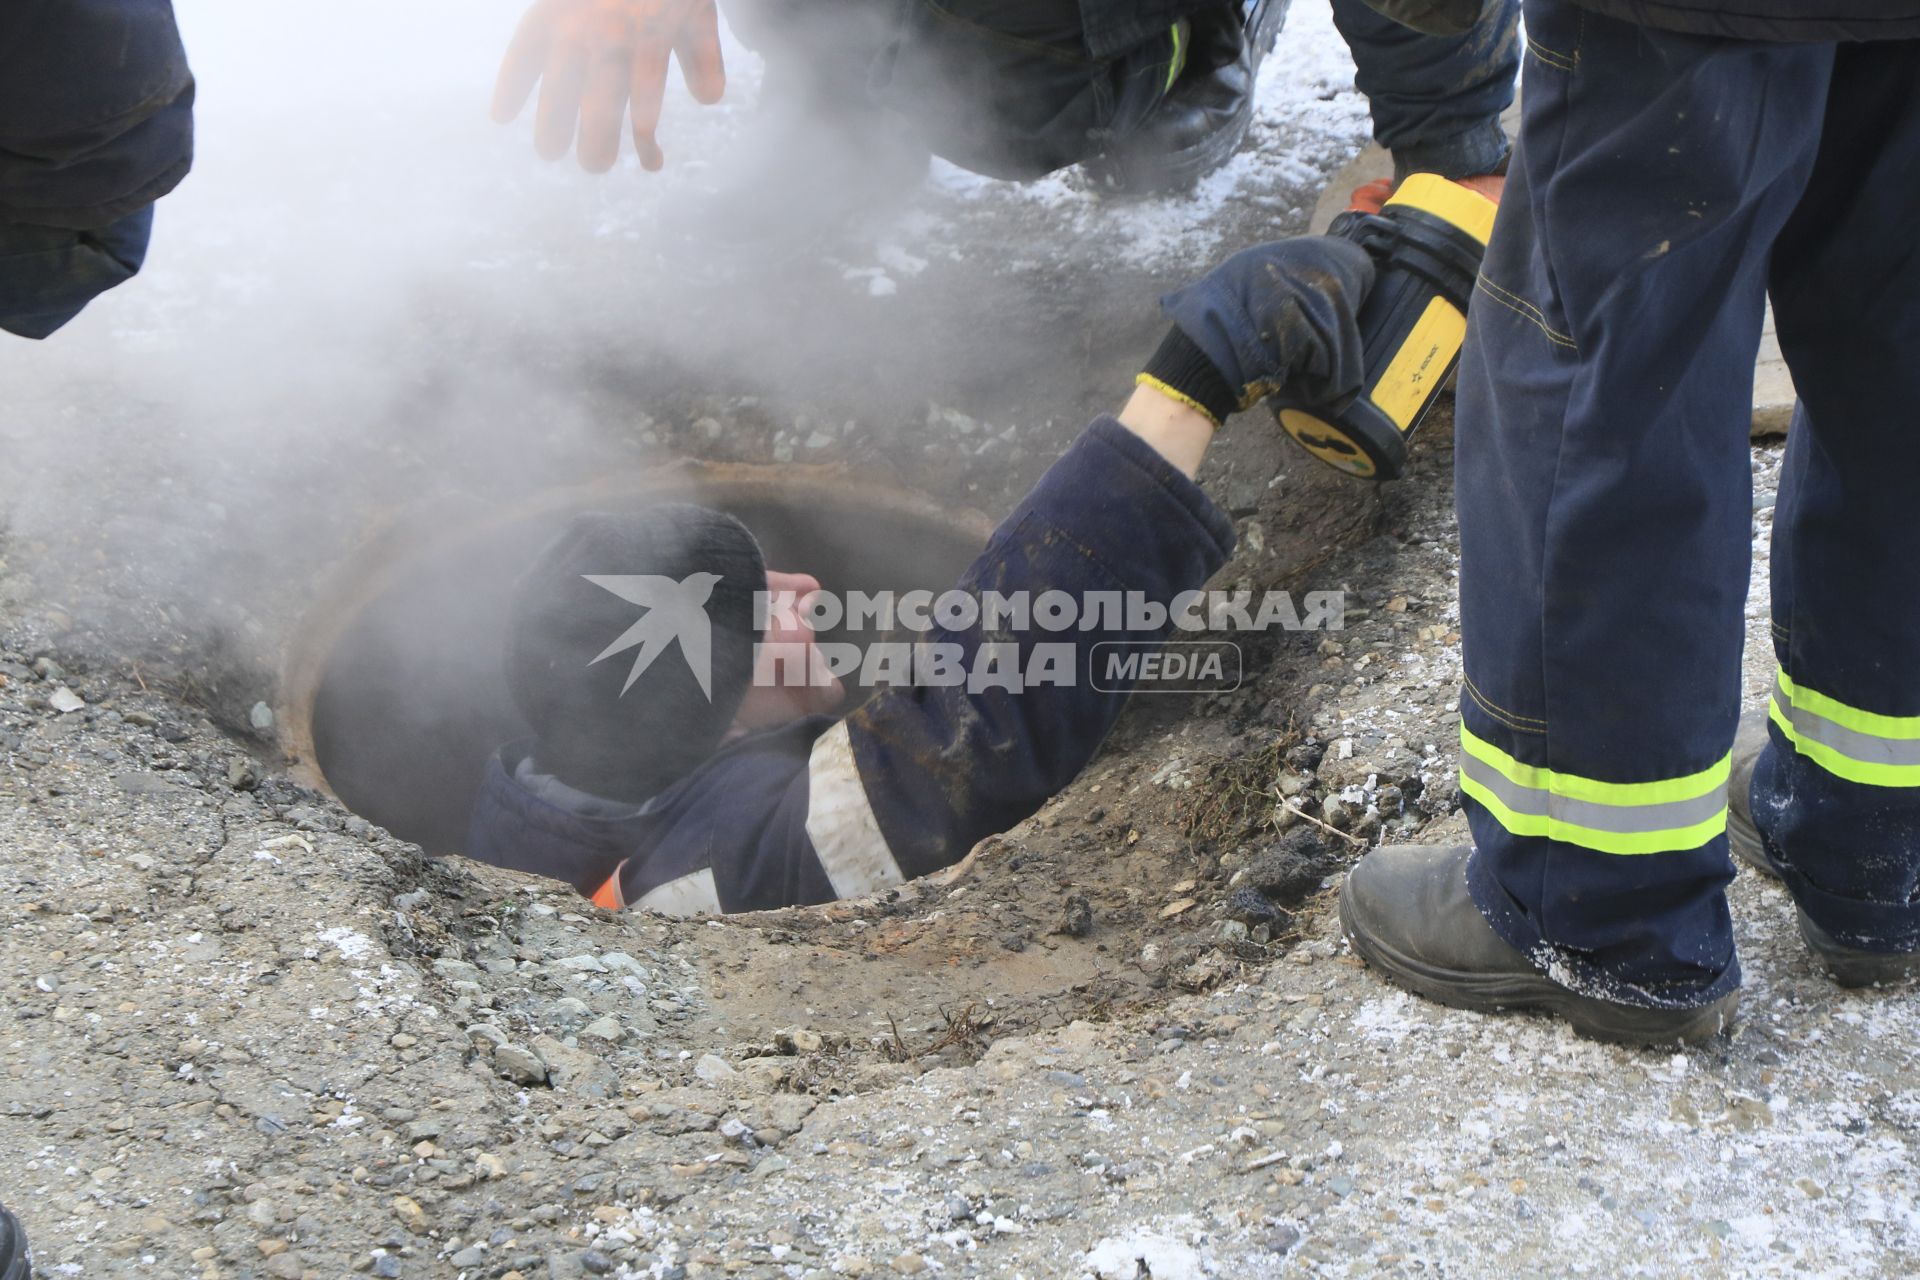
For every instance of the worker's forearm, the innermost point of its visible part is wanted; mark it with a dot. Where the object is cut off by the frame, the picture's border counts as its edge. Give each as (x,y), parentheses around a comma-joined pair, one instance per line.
(1115,529)
(1178,432)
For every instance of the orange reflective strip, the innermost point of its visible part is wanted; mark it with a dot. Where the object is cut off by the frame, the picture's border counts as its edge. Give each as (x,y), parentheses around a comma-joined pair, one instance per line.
(608,894)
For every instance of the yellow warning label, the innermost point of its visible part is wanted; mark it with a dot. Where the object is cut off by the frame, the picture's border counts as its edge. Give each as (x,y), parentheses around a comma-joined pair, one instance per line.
(1326,442)
(1421,363)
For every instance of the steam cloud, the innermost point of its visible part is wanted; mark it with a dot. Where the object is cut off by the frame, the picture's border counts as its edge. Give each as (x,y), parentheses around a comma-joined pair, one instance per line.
(368,298)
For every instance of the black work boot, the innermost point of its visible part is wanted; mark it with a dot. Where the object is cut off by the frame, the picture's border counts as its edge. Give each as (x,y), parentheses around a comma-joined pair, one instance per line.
(1406,910)
(16,1259)
(1203,117)
(1848,966)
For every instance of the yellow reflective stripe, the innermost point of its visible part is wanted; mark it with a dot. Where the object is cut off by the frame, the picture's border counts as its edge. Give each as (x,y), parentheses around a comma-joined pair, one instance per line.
(1668,816)
(1574,787)
(1673,840)
(1838,763)
(1179,62)
(1867,722)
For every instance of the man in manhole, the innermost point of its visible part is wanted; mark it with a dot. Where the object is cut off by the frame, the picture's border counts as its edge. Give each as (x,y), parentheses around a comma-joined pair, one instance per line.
(684,760)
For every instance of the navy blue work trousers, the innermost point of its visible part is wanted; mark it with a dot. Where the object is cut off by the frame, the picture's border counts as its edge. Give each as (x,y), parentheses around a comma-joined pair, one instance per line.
(1663,184)
(96,123)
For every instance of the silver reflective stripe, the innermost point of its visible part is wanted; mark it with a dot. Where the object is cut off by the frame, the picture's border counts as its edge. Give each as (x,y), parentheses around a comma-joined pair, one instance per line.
(1624,819)
(1865,747)
(692,895)
(840,820)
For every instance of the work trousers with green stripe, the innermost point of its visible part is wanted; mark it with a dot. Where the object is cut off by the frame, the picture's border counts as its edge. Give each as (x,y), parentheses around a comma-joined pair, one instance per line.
(1662,185)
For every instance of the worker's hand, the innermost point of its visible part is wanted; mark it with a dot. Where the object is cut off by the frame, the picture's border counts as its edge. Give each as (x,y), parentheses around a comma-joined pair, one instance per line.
(596,58)
(1278,314)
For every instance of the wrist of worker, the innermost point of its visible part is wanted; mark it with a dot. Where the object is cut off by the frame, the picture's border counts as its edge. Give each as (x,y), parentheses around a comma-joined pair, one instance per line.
(1180,370)
(1171,427)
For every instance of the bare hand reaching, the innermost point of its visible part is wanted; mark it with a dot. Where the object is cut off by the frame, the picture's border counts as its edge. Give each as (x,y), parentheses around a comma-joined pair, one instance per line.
(594,58)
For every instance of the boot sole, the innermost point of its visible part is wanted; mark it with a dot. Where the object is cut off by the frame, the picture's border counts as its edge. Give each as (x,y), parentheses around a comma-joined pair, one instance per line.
(1492,993)
(1853,968)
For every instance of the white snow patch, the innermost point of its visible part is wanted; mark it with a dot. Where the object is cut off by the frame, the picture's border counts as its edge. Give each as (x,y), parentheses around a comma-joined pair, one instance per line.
(1387,1018)
(351,943)
(1165,1258)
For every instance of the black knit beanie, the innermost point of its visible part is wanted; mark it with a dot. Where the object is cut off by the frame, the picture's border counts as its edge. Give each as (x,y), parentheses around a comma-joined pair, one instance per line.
(618,592)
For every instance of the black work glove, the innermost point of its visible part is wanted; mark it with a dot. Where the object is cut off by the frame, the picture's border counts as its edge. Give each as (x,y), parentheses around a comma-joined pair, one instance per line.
(1278,314)
(1433,17)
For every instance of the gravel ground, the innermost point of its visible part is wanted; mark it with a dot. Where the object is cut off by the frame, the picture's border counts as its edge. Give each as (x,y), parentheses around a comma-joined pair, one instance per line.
(253,1035)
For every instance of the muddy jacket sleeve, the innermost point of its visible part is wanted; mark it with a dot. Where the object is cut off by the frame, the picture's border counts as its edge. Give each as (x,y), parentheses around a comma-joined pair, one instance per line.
(96,123)
(915,777)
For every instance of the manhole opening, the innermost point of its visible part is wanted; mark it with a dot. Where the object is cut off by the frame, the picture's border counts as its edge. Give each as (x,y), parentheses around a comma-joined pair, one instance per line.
(394,696)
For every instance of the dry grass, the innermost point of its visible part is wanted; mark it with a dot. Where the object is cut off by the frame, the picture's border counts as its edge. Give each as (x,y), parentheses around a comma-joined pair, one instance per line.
(968,1028)
(1237,799)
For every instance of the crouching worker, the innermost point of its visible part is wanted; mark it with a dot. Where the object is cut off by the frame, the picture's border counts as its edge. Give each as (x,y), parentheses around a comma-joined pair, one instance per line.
(701,781)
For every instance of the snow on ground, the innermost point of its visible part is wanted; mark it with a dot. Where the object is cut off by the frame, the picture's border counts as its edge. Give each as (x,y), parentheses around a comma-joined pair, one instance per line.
(1308,116)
